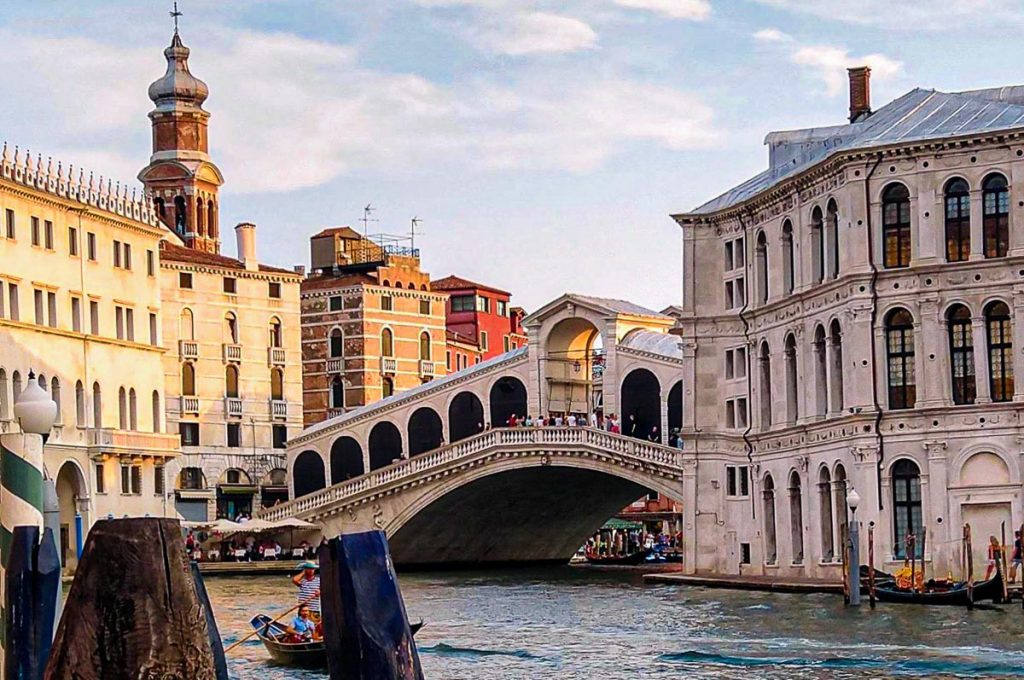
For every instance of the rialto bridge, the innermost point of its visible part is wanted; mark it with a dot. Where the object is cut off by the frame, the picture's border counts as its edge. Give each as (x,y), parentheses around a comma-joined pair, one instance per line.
(437,469)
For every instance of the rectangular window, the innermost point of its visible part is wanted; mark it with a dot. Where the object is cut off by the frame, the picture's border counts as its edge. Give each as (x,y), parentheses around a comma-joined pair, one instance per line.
(76,314)
(39,307)
(275,290)
(448,360)
(730,414)
(15,306)
(128,256)
(158,480)
(189,434)
(129,324)
(136,479)
(728,256)
(506,343)
(483,304)
(234,435)
(729,365)
(737,480)
(11,232)
(483,341)
(744,553)
(739,256)
(35,231)
(280,434)
(150,263)
(94,317)
(230,285)
(502,308)
(463,303)
(126,480)
(385,303)
(119,321)
(117,254)
(152,329)
(100,468)
(90,246)
(741,413)
(72,242)
(735,363)
(184,280)
(334,304)
(51,309)
(730,298)
(48,235)
(425,307)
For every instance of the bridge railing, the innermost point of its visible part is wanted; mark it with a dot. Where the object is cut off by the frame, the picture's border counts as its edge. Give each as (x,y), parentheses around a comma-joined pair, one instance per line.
(513,437)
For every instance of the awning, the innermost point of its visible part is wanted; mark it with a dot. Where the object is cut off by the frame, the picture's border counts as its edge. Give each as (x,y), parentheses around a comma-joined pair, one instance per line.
(621,524)
(237,489)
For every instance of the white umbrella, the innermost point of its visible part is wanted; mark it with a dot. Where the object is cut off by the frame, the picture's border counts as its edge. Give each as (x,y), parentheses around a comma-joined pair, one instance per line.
(294,523)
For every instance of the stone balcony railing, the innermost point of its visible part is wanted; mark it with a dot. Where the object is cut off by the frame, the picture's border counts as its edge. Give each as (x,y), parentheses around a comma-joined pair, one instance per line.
(125,442)
(335,365)
(232,353)
(426,369)
(188,349)
(388,365)
(628,450)
(334,412)
(276,356)
(190,405)
(233,407)
(278,408)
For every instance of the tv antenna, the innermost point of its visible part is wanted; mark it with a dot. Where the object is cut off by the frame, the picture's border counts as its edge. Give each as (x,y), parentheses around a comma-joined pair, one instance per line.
(416,221)
(367,211)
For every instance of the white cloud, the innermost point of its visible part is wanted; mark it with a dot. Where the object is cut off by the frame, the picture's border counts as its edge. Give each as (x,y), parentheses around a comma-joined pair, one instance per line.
(772,35)
(532,33)
(694,10)
(903,16)
(829,64)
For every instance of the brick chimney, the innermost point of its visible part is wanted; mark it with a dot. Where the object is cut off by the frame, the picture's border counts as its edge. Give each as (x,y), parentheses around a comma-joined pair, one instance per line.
(860,93)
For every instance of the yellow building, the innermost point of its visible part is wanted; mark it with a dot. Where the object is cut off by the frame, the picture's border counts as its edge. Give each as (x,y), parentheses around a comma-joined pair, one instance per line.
(80,311)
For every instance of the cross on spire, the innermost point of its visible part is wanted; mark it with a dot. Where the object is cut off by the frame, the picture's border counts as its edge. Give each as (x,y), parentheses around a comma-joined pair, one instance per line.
(174,15)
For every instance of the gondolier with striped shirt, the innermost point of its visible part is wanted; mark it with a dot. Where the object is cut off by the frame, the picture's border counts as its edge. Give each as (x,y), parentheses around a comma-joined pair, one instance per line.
(308,583)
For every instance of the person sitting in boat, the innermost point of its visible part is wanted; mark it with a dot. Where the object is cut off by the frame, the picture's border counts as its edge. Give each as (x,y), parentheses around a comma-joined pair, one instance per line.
(994,551)
(308,583)
(303,628)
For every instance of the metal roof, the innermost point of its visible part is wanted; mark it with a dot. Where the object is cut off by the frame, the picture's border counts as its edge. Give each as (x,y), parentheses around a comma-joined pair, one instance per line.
(663,344)
(617,306)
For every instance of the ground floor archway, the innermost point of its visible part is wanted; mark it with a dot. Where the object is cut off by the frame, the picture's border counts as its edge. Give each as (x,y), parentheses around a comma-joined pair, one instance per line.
(71,493)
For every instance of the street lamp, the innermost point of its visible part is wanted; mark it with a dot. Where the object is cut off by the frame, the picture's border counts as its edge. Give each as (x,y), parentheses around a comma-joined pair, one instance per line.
(853,500)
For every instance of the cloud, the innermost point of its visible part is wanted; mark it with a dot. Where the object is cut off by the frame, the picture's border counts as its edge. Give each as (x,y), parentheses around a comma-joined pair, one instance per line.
(829,64)
(904,16)
(532,33)
(693,10)
(289,112)
(772,35)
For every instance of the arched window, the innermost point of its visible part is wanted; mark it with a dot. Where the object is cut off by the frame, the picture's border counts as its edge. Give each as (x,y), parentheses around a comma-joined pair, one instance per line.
(820,373)
(817,245)
(792,395)
(387,387)
(211,220)
(796,517)
(188,380)
(337,393)
(996,210)
(387,343)
(231,382)
(277,384)
(55,395)
(958,220)
(122,409)
(157,418)
(899,344)
(906,507)
(788,261)
(825,501)
(761,264)
(765,361)
(5,404)
(1000,351)
(186,325)
(180,215)
(836,340)
(97,406)
(200,217)
(337,344)
(15,387)
(425,346)
(160,208)
(231,328)
(770,544)
(41,379)
(275,332)
(80,418)
(839,503)
(961,354)
(896,226)
(133,411)
(832,239)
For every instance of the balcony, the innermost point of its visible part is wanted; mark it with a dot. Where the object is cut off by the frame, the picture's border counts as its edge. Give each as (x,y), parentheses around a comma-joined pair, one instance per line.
(335,412)
(276,356)
(232,354)
(108,441)
(278,408)
(426,369)
(188,349)
(388,365)
(335,365)
(233,407)
(190,405)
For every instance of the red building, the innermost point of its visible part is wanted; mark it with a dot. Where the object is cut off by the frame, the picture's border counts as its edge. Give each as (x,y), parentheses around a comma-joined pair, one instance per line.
(480,322)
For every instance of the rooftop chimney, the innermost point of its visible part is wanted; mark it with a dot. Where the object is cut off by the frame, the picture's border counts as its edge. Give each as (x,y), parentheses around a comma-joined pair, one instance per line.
(860,93)
(245,235)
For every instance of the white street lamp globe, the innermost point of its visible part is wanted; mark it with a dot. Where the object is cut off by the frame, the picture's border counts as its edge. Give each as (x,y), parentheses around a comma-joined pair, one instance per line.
(35,411)
(853,499)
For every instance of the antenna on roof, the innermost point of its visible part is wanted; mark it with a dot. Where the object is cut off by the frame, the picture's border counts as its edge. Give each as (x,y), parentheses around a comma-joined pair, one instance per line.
(174,15)
(366,217)
(412,232)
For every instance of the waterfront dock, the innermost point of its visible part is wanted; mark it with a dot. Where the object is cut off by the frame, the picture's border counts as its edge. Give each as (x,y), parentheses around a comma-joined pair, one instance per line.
(762,583)
(248,568)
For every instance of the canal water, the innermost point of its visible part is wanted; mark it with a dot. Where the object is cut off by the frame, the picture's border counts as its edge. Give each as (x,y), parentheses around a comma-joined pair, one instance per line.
(582,623)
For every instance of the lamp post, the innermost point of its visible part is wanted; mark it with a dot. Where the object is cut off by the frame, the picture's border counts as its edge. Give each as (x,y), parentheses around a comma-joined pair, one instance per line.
(853,500)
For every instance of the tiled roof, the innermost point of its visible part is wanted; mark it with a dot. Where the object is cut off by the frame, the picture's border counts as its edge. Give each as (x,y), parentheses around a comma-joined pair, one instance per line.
(458,283)
(323,282)
(172,253)
(617,306)
(453,336)
(918,115)
(347,232)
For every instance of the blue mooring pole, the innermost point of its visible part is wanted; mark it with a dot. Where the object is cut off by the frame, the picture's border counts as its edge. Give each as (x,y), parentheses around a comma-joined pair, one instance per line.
(78,536)
(854,561)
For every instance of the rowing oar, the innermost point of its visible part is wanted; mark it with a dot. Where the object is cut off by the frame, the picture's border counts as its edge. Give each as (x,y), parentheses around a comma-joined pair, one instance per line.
(274,620)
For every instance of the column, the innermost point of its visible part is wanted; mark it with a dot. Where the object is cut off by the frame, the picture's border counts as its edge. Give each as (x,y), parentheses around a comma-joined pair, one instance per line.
(929,350)
(924,229)
(977,240)
(689,374)
(1018,341)
(689,501)
(941,537)
(980,339)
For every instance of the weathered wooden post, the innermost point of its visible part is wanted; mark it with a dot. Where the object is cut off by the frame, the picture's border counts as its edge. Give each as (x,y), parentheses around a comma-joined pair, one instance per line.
(32,582)
(133,610)
(969,552)
(871,565)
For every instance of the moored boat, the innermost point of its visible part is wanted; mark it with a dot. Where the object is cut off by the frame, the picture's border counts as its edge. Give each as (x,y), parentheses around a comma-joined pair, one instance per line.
(310,654)
(933,592)
(619,560)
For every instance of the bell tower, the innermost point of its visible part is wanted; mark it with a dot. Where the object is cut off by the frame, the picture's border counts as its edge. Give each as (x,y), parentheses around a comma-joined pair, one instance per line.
(180,177)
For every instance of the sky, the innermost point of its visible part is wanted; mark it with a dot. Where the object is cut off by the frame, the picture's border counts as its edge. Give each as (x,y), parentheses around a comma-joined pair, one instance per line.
(543,144)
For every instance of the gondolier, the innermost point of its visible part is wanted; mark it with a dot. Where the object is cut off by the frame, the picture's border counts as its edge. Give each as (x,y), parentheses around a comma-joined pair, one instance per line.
(308,583)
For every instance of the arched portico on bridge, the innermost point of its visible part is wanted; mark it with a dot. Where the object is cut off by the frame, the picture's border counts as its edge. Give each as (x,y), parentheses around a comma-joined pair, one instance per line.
(641,405)
(572,350)
(385,445)
(346,459)
(308,473)
(508,398)
(465,416)
(425,431)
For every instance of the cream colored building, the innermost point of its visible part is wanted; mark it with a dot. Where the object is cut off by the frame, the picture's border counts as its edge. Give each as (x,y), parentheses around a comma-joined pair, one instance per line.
(80,307)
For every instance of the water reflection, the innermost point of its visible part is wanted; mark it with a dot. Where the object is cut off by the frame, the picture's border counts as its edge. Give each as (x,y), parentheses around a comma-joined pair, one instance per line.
(570,623)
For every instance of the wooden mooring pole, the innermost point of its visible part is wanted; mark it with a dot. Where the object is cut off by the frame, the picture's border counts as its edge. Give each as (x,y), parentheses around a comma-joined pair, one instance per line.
(871,566)
(969,559)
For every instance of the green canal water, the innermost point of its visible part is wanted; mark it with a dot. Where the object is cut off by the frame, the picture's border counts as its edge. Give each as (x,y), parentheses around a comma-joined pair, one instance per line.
(580,623)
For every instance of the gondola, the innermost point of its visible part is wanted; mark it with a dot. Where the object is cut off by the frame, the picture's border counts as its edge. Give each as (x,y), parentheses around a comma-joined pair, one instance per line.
(938,593)
(632,559)
(295,654)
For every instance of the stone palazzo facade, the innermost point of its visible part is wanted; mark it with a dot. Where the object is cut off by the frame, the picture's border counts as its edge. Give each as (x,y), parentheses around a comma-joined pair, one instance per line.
(852,318)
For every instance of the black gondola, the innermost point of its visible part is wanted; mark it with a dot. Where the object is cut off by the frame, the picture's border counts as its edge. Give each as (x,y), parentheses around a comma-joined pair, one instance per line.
(938,593)
(310,654)
(632,559)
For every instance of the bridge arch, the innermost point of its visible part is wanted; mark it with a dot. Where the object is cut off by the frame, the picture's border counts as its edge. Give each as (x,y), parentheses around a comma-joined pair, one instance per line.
(641,404)
(465,416)
(385,444)
(572,349)
(675,407)
(346,459)
(308,473)
(425,431)
(508,397)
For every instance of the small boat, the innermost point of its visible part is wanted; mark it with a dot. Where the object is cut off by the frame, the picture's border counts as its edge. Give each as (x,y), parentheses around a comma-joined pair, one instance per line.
(632,559)
(935,592)
(311,654)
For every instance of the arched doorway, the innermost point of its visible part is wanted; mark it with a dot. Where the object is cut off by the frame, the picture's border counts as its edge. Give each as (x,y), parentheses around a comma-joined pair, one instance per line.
(425,431)
(71,491)
(465,416)
(508,397)
(641,404)
(346,459)
(234,494)
(385,445)
(274,487)
(573,366)
(675,407)
(308,473)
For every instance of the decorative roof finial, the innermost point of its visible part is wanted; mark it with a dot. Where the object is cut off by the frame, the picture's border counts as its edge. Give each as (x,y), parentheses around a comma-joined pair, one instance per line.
(174,15)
